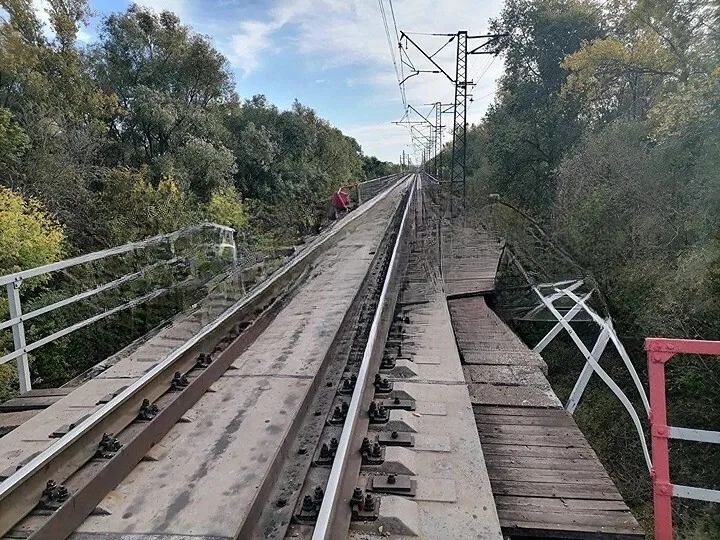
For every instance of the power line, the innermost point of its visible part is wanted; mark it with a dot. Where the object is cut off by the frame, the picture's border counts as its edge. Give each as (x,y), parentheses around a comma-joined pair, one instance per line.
(392,11)
(399,72)
(383,13)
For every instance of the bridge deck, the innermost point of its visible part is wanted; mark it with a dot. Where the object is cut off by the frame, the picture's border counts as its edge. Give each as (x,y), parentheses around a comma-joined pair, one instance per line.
(546,479)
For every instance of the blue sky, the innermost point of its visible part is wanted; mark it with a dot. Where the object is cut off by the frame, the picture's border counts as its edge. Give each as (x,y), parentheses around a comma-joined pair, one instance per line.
(333,56)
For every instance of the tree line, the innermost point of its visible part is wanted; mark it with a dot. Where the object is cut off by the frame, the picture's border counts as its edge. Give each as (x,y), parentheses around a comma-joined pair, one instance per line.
(605,129)
(139,133)
(143,131)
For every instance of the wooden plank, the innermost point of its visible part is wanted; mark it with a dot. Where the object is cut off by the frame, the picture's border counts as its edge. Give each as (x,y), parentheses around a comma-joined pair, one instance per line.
(594,526)
(521,411)
(545,476)
(492,448)
(501,358)
(548,421)
(557,505)
(556,463)
(533,440)
(530,396)
(558,490)
(27,404)
(521,430)
(42,392)
(598,519)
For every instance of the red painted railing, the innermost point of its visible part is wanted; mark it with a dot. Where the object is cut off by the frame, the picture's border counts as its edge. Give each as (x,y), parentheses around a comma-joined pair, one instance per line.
(659,351)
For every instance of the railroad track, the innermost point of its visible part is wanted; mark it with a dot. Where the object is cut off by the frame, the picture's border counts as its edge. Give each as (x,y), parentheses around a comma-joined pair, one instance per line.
(320,456)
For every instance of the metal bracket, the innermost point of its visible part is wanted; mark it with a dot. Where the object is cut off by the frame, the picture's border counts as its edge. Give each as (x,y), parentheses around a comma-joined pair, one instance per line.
(378,413)
(396,438)
(388,363)
(53,496)
(339,414)
(395,484)
(147,411)
(310,506)
(372,453)
(106,399)
(382,385)
(348,385)
(364,508)
(398,403)
(63,430)
(108,447)
(327,452)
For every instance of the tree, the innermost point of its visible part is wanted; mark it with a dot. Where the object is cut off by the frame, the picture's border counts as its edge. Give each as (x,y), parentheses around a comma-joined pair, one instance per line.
(530,127)
(172,85)
(619,79)
(29,235)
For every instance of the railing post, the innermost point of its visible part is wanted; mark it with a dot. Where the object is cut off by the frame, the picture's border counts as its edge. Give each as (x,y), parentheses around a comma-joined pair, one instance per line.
(233,247)
(587,371)
(662,489)
(18,331)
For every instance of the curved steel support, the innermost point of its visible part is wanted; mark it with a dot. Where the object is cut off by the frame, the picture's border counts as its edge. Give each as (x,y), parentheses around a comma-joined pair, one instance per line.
(602,373)
(607,324)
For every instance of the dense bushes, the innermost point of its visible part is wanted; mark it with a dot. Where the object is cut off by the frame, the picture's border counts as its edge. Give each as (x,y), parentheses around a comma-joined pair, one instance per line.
(605,129)
(137,134)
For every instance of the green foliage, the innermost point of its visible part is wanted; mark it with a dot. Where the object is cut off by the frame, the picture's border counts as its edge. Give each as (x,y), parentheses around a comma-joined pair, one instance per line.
(29,236)
(226,208)
(13,139)
(374,168)
(136,209)
(139,134)
(531,126)
(605,130)
(618,79)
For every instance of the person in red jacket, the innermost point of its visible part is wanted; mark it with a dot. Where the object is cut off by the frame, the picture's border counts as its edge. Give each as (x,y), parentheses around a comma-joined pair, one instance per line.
(340,202)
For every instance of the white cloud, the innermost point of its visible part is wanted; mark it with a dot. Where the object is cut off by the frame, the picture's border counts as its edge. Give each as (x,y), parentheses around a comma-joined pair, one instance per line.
(84,36)
(384,140)
(247,47)
(350,34)
(181,8)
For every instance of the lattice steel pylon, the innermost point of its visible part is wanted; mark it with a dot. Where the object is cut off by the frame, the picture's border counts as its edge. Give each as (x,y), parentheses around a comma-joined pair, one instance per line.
(438,139)
(459,159)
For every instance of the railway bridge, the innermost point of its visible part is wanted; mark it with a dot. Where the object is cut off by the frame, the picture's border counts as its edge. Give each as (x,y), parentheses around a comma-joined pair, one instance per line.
(359,387)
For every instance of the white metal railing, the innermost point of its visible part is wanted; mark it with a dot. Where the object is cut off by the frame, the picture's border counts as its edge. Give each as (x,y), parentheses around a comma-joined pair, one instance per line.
(369,188)
(592,358)
(13,283)
(46,457)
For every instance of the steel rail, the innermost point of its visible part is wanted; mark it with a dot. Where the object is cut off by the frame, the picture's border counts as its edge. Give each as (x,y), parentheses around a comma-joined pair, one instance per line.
(324,527)
(27,498)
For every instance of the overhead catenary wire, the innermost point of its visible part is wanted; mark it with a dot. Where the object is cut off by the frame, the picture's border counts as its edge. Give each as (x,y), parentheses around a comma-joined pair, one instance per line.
(398,72)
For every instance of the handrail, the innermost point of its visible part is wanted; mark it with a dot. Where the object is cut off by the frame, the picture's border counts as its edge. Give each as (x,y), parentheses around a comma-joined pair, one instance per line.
(81,296)
(42,460)
(119,250)
(659,351)
(13,282)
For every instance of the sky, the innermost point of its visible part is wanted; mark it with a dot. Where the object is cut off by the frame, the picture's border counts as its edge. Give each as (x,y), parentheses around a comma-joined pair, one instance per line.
(334,56)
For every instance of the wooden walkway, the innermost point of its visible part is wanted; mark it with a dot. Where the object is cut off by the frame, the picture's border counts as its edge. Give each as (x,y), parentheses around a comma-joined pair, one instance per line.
(546,479)
(469,261)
